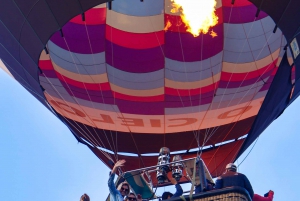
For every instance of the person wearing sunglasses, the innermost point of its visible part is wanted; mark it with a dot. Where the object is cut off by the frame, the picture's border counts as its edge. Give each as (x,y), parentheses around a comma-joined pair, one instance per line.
(132,197)
(167,195)
(123,188)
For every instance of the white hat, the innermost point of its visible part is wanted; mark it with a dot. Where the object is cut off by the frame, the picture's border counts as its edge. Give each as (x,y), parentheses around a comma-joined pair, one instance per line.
(231,166)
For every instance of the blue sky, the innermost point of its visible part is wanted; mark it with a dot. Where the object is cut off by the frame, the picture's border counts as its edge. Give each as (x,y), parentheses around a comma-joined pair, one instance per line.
(41,160)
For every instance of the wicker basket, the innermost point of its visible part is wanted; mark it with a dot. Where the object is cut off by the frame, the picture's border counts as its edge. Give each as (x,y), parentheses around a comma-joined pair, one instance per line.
(226,194)
(225,197)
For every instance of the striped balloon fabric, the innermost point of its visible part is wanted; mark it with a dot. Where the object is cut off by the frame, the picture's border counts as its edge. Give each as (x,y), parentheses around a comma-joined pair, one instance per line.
(130,79)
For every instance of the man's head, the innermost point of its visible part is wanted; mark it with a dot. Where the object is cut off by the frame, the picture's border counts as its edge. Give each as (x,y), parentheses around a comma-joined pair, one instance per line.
(84,197)
(231,167)
(124,188)
(131,197)
(166,195)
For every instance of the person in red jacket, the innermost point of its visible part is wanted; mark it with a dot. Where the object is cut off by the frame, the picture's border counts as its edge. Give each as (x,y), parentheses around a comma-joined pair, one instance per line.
(267,197)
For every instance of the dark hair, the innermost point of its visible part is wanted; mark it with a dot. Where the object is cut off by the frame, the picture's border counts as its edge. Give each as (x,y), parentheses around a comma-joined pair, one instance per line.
(84,197)
(125,184)
(165,195)
(131,193)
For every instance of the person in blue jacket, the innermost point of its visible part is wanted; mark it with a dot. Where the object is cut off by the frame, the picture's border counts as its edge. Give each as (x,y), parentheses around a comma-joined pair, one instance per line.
(167,195)
(232,178)
(123,189)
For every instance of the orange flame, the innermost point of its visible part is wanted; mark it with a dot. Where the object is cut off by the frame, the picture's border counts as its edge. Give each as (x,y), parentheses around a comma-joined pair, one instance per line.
(213,34)
(168,25)
(197,15)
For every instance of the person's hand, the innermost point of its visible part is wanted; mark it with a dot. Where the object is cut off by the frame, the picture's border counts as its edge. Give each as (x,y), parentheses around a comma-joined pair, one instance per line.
(139,197)
(118,164)
(171,179)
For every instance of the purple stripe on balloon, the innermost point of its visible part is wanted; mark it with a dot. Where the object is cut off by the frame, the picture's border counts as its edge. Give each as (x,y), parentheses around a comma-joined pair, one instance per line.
(186,101)
(267,84)
(95,96)
(135,107)
(241,14)
(237,84)
(49,74)
(79,31)
(134,60)
(78,41)
(186,47)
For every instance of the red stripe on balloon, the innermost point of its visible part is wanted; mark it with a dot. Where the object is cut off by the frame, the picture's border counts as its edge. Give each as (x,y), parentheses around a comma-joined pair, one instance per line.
(245,76)
(158,98)
(88,86)
(45,64)
(237,3)
(190,92)
(134,40)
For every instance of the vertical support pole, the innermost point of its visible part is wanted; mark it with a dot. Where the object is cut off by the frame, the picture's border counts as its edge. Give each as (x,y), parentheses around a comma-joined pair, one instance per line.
(201,174)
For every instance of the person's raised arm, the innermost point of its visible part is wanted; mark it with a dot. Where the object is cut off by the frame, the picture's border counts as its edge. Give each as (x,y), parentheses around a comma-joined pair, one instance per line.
(179,190)
(111,186)
(118,164)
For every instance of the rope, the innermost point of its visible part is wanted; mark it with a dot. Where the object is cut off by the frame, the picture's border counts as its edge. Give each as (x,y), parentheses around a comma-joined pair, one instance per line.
(90,45)
(248,152)
(193,181)
(215,129)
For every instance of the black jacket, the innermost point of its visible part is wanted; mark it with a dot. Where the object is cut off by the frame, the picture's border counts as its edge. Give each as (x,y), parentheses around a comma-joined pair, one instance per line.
(234,179)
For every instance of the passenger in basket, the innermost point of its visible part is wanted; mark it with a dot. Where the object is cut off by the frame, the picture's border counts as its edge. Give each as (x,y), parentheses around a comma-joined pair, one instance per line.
(178,193)
(232,178)
(132,197)
(210,186)
(123,188)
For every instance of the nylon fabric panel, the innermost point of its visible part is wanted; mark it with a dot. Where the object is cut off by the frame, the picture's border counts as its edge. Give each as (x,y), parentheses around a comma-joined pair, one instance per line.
(129,74)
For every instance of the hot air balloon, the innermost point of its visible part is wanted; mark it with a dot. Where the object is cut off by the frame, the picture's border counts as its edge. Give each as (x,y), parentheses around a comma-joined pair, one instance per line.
(127,78)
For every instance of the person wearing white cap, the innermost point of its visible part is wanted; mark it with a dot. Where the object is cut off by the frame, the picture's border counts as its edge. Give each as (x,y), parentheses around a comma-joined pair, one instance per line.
(232,178)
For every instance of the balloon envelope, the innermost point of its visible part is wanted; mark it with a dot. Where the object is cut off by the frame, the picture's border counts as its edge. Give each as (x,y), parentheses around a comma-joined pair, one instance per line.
(130,80)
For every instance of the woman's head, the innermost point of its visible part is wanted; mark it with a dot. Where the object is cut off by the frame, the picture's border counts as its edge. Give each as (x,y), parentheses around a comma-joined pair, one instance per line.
(84,197)
(124,188)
